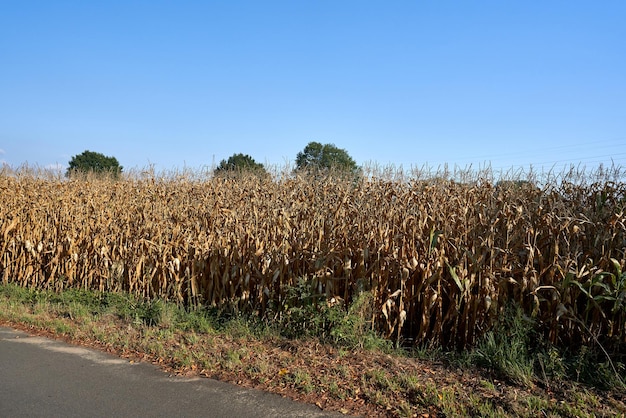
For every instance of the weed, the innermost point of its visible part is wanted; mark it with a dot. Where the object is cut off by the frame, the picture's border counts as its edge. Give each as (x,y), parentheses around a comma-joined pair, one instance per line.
(536,404)
(183,357)
(303,381)
(505,349)
(428,394)
(190,338)
(61,327)
(231,359)
(480,407)
(404,409)
(257,369)
(335,391)
(409,382)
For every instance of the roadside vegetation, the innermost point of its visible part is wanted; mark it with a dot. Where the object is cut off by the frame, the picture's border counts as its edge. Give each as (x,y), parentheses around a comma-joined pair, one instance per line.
(328,356)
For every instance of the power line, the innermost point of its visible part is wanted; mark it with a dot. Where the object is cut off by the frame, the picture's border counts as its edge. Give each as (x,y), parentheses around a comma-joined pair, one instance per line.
(595,145)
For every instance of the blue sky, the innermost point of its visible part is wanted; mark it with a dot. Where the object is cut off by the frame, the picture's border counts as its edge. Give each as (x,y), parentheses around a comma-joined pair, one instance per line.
(178,84)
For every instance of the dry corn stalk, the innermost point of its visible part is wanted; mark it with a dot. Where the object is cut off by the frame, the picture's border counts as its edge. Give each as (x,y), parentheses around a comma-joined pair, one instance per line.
(442,258)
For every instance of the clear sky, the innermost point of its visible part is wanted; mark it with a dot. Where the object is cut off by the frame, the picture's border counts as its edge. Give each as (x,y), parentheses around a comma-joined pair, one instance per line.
(178,84)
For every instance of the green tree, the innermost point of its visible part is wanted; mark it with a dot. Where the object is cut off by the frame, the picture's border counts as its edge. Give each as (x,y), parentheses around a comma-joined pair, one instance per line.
(327,156)
(240,162)
(93,162)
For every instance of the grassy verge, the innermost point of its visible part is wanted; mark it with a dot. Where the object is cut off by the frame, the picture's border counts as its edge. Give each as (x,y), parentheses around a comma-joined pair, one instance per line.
(328,356)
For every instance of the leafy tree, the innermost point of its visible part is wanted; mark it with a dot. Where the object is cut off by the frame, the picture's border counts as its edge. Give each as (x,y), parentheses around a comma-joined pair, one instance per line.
(327,156)
(239,162)
(93,162)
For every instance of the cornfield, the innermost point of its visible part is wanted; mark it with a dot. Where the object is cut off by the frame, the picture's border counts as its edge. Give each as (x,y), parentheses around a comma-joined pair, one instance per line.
(442,258)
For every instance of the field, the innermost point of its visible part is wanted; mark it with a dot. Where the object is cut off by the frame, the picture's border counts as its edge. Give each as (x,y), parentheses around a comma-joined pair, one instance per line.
(439,260)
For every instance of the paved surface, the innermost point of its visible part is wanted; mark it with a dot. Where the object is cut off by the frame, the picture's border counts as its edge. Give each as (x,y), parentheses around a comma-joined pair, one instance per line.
(46,378)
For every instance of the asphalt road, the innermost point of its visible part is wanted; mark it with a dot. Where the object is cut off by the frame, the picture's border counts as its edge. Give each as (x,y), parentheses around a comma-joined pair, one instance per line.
(40,377)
